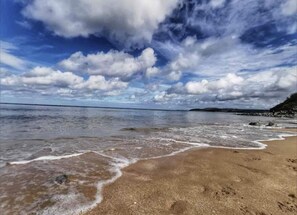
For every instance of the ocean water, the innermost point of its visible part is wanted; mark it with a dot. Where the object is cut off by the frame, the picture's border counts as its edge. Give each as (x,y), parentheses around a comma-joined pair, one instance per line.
(92,145)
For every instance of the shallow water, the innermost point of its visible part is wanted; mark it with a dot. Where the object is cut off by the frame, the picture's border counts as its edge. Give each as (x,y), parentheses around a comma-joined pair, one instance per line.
(91,145)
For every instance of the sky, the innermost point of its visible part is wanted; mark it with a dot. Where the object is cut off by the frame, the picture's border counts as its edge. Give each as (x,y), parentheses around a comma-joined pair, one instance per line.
(169,54)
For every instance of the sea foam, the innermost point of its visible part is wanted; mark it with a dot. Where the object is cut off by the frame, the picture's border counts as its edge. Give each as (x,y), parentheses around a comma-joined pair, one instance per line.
(45,158)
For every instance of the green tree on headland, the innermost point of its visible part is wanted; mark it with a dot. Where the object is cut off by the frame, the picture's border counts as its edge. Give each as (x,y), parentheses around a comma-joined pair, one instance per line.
(290,104)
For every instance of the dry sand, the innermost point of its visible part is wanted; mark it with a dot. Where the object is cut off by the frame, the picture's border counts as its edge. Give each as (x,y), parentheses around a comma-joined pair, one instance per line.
(209,181)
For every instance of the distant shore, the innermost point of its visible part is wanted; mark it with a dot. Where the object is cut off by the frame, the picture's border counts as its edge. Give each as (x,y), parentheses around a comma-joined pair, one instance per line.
(209,181)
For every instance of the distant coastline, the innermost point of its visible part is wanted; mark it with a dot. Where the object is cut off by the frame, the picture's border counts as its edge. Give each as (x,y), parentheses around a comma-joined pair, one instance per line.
(287,108)
(232,110)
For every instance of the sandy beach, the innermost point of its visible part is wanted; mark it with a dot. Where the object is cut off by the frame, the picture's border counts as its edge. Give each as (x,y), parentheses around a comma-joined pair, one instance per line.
(148,107)
(209,181)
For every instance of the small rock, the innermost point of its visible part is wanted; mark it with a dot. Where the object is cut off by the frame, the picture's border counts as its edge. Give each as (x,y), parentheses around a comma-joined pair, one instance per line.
(270,124)
(61,179)
(254,123)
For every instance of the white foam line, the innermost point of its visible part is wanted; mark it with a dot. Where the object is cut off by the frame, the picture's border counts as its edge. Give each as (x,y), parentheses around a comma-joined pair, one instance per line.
(45,158)
(259,142)
(117,167)
(171,154)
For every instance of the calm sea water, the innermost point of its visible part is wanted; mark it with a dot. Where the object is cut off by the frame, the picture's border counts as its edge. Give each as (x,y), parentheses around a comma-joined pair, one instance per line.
(48,141)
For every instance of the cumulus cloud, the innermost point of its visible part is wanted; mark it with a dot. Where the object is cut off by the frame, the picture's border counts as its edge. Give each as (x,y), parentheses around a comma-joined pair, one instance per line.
(98,82)
(197,87)
(229,82)
(111,64)
(151,72)
(235,86)
(43,76)
(8,58)
(43,79)
(128,22)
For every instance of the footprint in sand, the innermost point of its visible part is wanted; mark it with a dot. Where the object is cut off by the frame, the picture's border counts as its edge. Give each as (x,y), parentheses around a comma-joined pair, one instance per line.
(226,191)
(287,207)
(248,211)
(292,163)
(290,160)
(253,159)
(294,168)
(179,207)
(254,170)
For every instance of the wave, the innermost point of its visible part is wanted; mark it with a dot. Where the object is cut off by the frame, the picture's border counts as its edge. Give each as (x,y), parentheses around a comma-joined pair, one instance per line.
(45,158)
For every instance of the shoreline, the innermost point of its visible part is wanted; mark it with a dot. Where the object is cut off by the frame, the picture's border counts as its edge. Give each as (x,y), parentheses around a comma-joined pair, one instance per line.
(149,172)
(123,172)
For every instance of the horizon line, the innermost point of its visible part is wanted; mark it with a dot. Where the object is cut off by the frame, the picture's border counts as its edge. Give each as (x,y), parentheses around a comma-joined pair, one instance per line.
(87,106)
(132,108)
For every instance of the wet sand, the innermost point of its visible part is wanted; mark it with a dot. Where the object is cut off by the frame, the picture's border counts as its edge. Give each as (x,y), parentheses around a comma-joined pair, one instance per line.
(209,181)
(34,188)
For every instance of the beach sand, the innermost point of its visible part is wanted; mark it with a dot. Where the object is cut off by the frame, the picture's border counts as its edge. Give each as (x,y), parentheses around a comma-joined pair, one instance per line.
(209,181)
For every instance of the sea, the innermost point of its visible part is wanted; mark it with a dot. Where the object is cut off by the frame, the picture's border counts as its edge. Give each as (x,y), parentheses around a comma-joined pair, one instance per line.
(90,146)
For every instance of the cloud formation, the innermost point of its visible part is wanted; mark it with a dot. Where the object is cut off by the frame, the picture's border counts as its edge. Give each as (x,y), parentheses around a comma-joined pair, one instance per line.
(289,7)
(7,57)
(42,79)
(111,64)
(183,53)
(270,83)
(220,56)
(127,22)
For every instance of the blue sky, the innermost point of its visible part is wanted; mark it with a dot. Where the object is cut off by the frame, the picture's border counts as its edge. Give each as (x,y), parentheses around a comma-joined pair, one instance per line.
(148,53)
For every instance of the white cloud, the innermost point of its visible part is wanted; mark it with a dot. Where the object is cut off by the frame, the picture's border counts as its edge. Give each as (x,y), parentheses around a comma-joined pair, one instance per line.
(194,55)
(216,57)
(9,59)
(193,87)
(162,97)
(130,22)
(99,82)
(174,75)
(25,24)
(289,7)
(217,3)
(151,72)
(111,64)
(221,18)
(46,81)
(234,86)
(43,76)
(227,82)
